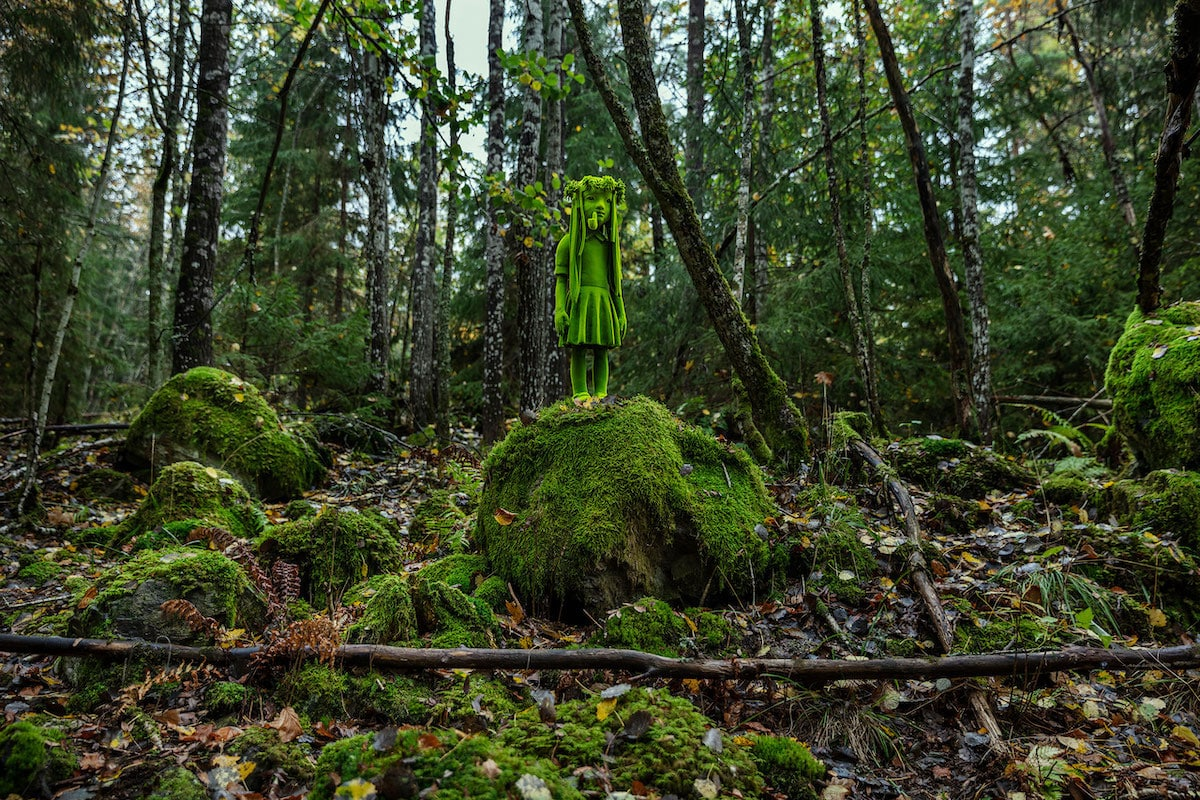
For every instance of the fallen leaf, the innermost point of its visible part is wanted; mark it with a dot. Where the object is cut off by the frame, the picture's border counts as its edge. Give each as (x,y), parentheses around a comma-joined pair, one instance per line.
(287,724)
(504,517)
(605,707)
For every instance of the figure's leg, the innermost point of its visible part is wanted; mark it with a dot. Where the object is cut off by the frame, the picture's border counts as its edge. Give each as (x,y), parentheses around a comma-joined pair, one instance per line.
(600,369)
(579,372)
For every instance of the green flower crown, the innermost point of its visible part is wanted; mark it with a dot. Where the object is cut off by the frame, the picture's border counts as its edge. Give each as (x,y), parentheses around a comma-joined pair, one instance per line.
(598,183)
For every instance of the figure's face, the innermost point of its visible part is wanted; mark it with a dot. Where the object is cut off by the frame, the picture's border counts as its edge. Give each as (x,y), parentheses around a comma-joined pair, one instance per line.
(597,206)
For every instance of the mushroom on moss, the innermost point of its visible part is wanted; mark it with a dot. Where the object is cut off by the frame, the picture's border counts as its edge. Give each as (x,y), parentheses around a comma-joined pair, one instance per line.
(601,504)
(216,418)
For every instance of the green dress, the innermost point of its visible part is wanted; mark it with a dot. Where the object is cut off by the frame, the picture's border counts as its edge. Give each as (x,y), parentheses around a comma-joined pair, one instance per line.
(593,292)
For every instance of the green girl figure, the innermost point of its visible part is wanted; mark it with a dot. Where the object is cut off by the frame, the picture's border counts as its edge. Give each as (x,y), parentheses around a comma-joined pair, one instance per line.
(589,314)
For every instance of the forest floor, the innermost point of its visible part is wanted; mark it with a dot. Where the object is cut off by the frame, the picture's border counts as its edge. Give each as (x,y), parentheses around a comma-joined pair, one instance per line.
(1066,734)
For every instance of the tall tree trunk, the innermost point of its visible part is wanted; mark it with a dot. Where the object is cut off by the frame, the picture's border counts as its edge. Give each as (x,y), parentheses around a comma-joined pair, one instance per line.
(167,113)
(192,337)
(554,385)
(1107,143)
(746,144)
(442,329)
(755,300)
(693,143)
(968,186)
(960,370)
(376,243)
(38,423)
(1183,75)
(776,417)
(845,269)
(869,368)
(531,283)
(421,399)
(491,423)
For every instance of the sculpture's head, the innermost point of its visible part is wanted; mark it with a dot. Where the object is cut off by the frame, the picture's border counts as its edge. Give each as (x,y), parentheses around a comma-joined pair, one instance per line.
(597,204)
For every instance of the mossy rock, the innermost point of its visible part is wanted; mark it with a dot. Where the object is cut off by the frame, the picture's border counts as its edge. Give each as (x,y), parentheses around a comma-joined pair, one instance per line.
(956,467)
(271,758)
(648,625)
(28,761)
(662,745)
(388,616)
(1166,501)
(788,766)
(216,418)
(601,504)
(1153,378)
(452,617)
(104,484)
(335,549)
(129,596)
(189,492)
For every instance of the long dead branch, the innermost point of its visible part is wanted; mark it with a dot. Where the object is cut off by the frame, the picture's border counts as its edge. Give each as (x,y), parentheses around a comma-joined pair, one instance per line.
(816,671)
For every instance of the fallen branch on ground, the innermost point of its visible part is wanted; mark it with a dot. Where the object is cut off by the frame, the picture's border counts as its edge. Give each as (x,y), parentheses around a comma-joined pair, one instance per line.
(814,670)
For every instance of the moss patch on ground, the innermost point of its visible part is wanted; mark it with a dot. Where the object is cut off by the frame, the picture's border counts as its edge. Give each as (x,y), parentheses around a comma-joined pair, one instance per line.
(335,549)
(788,766)
(1166,501)
(956,467)
(602,504)
(216,418)
(29,761)
(189,492)
(1153,378)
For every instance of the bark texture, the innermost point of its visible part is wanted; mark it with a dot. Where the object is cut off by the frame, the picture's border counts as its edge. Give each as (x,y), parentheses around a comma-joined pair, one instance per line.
(421,401)
(491,422)
(375,247)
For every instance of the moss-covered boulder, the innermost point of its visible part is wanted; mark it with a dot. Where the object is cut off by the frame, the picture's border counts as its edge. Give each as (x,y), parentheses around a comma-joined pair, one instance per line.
(336,549)
(32,758)
(188,495)
(956,467)
(216,418)
(129,597)
(104,484)
(1153,379)
(1166,501)
(602,504)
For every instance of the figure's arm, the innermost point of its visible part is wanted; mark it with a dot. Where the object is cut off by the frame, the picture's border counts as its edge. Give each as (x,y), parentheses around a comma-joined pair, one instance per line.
(562,256)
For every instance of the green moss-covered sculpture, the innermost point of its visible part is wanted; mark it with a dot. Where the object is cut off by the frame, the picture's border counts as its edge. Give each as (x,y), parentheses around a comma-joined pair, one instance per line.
(335,549)
(129,596)
(191,492)
(1153,379)
(956,467)
(601,504)
(216,418)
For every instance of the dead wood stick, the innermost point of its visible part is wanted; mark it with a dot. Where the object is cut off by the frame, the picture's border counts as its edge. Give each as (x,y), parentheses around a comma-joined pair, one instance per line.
(925,586)
(816,670)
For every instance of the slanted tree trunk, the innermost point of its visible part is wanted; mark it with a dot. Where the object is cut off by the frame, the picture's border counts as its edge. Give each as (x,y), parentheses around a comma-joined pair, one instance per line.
(491,421)
(532,285)
(442,329)
(554,385)
(421,380)
(776,417)
(167,113)
(746,140)
(1107,143)
(960,368)
(42,411)
(192,337)
(1183,75)
(968,187)
(693,143)
(374,81)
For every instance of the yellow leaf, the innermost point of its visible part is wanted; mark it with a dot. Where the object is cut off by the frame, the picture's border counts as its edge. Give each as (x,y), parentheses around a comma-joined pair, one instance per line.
(1157,618)
(504,517)
(1187,735)
(605,707)
(355,789)
(212,473)
(245,768)
(53,170)
(239,397)
(183,396)
(692,684)
(527,241)
(743,741)
(515,611)
(690,624)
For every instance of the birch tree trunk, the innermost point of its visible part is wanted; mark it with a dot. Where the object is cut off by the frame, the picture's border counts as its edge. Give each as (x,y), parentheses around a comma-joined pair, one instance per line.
(554,385)
(442,329)
(531,283)
(755,300)
(375,245)
(38,423)
(693,147)
(745,163)
(776,417)
(968,186)
(491,423)
(960,369)
(1183,75)
(192,336)
(1107,143)
(421,399)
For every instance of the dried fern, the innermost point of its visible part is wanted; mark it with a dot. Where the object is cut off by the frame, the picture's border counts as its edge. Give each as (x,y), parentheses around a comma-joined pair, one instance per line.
(184,610)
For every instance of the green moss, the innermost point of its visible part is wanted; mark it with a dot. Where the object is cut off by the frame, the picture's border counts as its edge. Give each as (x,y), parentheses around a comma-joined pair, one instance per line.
(1153,378)
(463,570)
(388,616)
(188,494)
(612,502)
(335,550)
(1064,488)
(443,519)
(494,591)
(842,563)
(787,766)
(129,595)
(453,618)
(648,625)
(713,634)
(40,572)
(224,697)
(1166,501)
(209,415)
(317,691)
(28,760)
(992,633)
(178,783)
(262,746)
(956,467)
(104,483)
(666,757)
